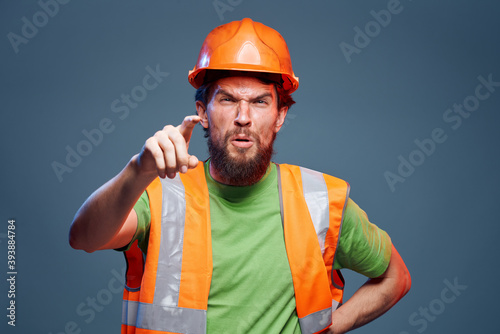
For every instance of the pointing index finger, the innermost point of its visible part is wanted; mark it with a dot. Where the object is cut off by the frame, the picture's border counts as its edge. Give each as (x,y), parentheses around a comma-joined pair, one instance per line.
(187,126)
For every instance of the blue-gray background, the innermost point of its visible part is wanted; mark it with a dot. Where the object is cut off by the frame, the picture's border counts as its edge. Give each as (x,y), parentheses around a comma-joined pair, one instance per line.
(352,119)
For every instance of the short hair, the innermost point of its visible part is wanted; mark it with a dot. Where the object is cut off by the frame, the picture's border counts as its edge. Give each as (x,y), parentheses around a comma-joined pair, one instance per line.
(204,93)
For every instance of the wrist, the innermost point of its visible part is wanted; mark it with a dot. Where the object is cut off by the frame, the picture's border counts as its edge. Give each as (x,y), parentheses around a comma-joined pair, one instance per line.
(135,176)
(137,171)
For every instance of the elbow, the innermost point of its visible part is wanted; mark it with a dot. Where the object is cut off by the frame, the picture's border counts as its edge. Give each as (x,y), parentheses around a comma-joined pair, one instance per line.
(400,274)
(403,281)
(407,282)
(76,241)
(75,244)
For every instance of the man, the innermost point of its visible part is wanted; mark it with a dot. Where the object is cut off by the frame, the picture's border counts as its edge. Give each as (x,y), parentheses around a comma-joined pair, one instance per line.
(238,244)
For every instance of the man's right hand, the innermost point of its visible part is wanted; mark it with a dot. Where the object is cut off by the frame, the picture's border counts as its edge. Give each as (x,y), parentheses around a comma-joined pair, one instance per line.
(107,220)
(166,153)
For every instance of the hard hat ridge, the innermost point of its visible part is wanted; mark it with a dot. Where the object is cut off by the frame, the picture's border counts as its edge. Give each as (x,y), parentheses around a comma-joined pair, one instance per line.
(245,46)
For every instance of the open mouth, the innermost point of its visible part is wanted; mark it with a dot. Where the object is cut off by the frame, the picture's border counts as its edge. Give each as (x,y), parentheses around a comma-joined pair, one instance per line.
(242,141)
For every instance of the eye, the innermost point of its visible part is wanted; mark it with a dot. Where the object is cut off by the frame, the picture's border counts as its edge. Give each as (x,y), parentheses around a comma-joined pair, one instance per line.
(260,101)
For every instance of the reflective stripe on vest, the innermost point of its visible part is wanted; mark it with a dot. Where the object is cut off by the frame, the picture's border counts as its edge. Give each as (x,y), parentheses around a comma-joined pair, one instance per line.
(325,197)
(178,269)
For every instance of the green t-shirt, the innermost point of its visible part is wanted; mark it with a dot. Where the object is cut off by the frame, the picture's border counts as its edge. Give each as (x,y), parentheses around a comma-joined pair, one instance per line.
(251,288)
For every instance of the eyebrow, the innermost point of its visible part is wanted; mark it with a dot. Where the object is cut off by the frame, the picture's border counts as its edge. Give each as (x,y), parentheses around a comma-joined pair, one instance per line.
(261,96)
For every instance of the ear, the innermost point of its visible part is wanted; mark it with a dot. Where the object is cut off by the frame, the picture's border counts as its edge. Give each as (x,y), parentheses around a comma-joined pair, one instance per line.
(280,120)
(201,109)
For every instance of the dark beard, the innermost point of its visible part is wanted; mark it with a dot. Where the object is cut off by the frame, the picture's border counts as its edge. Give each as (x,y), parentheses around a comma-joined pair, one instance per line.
(239,171)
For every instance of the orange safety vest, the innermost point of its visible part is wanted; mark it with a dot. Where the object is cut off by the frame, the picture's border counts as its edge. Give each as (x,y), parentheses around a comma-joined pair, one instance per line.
(168,291)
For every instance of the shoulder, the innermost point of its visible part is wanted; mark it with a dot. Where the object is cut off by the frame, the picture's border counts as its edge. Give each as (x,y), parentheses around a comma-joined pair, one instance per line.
(305,171)
(315,180)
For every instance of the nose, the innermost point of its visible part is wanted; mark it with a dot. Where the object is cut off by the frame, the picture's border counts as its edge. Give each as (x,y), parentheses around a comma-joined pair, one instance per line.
(243,116)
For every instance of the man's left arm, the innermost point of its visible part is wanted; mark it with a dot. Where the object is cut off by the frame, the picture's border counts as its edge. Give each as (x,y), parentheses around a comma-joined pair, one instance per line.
(373,298)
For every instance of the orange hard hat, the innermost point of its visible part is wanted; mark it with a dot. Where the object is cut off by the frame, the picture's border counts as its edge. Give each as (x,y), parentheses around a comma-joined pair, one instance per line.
(245,46)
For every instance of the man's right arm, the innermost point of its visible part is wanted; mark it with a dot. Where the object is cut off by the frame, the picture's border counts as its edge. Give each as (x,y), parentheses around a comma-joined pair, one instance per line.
(107,220)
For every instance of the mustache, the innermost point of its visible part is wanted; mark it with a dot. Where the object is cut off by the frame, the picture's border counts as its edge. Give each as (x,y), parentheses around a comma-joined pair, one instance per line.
(242,131)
